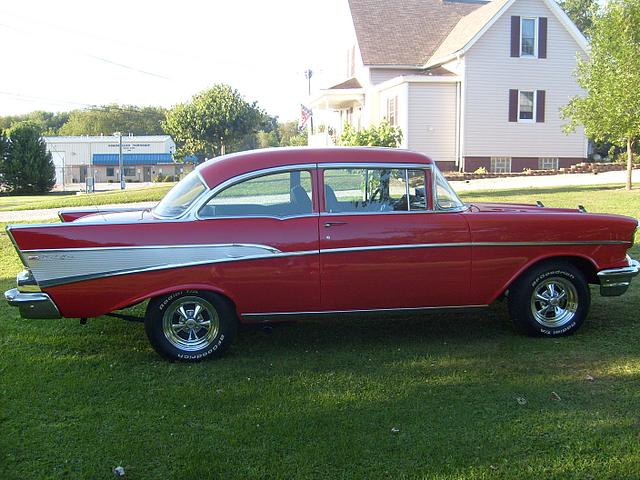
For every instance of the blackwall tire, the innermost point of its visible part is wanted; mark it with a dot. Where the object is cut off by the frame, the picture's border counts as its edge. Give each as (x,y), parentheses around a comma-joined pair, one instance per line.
(549,300)
(190,325)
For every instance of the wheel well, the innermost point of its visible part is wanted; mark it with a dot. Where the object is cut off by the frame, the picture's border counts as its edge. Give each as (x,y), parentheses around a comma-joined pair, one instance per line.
(585,266)
(223,297)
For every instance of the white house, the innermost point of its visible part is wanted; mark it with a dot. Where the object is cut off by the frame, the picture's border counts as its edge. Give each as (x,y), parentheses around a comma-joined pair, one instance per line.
(471,83)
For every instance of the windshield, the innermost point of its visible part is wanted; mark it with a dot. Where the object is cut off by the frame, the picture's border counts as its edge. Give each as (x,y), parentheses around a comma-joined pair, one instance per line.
(180,197)
(446,198)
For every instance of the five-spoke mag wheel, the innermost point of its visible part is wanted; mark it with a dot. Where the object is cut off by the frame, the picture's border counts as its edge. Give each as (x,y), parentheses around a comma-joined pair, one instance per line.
(190,325)
(549,299)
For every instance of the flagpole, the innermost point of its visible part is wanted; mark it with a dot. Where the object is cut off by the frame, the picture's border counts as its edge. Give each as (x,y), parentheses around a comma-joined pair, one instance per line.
(309,74)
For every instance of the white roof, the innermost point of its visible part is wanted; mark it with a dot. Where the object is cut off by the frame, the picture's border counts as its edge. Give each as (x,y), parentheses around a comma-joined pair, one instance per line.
(108,139)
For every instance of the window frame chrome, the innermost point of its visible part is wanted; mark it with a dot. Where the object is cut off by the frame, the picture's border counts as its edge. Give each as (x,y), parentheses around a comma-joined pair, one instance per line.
(211,193)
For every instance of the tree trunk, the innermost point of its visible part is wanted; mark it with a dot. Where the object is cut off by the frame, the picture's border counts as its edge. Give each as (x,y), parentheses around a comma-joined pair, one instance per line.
(629,162)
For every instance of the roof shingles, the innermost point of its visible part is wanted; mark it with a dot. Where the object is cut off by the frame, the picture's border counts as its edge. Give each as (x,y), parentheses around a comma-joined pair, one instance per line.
(405,32)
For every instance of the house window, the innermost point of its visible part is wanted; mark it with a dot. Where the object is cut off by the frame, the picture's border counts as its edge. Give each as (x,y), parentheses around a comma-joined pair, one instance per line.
(528,33)
(548,163)
(501,164)
(392,110)
(110,172)
(129,171)
(526,106)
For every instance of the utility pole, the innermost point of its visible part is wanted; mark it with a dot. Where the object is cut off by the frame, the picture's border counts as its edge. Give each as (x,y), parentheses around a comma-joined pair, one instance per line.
(120,160)
(308,74)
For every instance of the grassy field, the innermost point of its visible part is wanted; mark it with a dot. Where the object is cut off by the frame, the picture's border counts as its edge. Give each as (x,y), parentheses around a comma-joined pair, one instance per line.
(58,200)
(319,399)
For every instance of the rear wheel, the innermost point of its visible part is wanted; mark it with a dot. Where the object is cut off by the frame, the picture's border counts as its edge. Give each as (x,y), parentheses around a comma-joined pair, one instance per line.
(550,300)
(190,325)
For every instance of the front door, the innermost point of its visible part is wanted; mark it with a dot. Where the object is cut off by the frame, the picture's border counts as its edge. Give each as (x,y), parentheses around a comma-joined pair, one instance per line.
(384,247)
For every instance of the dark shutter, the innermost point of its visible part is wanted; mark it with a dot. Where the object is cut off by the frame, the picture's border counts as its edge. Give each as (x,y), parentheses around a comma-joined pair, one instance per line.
(540,98)
(515,36)
(513,105)
(542,37)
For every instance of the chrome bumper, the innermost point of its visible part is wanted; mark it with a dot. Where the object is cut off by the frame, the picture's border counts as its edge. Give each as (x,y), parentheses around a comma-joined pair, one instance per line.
(616,281)
(32,304)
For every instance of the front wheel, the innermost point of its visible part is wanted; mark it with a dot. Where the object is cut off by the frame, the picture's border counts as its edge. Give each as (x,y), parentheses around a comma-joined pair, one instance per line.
(550,300)
(190,325)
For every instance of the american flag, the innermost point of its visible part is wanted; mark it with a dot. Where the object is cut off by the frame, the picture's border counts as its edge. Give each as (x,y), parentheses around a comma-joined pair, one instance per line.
(305,115)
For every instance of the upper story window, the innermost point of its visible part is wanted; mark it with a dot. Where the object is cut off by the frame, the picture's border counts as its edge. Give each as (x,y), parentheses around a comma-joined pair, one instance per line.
(392,110)
(274,195)
(528,37)
(368,190)
(526,106)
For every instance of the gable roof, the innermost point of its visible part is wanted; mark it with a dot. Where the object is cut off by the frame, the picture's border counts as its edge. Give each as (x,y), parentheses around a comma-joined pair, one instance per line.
(405,32)
(425,33)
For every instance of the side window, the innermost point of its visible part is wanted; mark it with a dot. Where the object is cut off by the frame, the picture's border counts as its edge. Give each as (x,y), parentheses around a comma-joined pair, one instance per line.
(275,195)
(365,190)
(417,190)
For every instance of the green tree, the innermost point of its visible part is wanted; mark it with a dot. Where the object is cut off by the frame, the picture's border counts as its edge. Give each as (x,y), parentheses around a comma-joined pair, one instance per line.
(610,77)
(290,136)
(384,135)
(108,119)
(48,122)
(581,12)
(214,121)
(27,166)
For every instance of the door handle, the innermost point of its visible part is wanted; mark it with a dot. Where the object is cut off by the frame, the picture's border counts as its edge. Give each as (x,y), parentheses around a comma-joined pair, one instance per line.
(332,224)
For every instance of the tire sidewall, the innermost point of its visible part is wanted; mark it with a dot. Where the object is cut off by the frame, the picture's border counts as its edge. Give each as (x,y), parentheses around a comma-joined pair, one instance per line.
(521,306)
(153,327)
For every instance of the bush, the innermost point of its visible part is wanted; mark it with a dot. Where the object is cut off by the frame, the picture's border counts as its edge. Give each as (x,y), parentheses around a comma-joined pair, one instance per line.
(384,135)
(480,170)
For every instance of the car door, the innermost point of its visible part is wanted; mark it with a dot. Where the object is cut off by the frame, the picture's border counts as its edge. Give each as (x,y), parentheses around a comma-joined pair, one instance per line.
(271,220)
(383,244)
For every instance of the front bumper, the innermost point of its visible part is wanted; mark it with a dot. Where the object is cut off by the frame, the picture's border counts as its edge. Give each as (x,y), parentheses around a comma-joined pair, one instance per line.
(32,304)
(616,281)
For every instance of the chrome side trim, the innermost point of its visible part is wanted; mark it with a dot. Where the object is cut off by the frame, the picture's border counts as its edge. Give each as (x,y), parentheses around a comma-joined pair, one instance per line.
(151,247)
(32,305)
(372,310)
(616,281)
(55,281)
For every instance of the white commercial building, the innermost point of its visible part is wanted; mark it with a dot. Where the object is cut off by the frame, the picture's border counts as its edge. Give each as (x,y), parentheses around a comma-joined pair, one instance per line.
(145,158)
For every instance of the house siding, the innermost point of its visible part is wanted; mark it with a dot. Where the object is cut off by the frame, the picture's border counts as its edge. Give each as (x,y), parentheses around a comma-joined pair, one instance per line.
(380,75)
(432,121)
(399,92)
(490,72)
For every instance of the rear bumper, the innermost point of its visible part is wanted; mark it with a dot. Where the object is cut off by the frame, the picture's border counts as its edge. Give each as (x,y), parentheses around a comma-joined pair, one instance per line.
(32,304)
(616,281)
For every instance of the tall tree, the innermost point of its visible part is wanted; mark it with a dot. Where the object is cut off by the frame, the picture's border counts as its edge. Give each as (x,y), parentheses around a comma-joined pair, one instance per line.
(108,119)
(610,110)
(27,167)
(48,122)
(214,121)
(581,12)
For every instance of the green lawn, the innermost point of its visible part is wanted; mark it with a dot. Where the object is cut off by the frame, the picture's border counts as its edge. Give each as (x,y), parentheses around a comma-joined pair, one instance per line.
(59,200)
(319,399)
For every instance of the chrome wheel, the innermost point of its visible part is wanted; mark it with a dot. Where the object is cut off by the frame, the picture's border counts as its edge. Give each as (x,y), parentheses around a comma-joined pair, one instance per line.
(190,323)
(554,302)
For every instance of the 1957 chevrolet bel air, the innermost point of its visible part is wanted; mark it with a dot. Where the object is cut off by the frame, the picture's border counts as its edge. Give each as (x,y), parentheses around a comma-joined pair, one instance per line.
(272,234)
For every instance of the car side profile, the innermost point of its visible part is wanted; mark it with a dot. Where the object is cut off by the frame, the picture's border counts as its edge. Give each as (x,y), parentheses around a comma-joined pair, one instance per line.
(274,234)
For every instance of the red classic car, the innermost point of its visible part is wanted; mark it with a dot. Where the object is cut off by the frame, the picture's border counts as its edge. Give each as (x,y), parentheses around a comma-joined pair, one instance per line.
(275,234)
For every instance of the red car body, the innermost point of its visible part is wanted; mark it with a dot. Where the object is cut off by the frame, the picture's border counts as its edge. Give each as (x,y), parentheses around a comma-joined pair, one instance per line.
(271,267)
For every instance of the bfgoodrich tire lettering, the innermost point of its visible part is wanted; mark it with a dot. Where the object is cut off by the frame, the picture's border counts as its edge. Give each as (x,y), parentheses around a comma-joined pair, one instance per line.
(190,325)
(551,299)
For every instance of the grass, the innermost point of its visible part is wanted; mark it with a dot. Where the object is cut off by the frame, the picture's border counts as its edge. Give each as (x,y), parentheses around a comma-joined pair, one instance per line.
(60,200)
(319,399)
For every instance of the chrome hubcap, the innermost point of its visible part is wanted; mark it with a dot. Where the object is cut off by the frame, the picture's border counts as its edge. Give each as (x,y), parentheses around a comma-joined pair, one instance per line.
(190,323)
(554,302)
